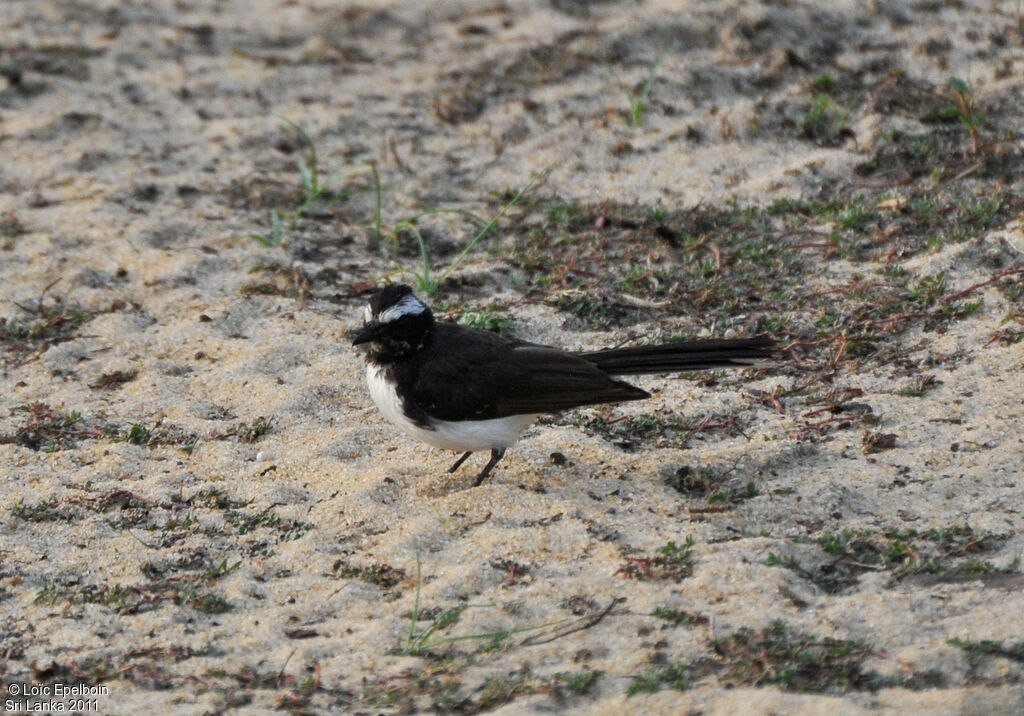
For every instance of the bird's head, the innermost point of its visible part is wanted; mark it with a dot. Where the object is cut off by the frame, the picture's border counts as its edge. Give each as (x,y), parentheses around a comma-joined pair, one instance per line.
(396,324)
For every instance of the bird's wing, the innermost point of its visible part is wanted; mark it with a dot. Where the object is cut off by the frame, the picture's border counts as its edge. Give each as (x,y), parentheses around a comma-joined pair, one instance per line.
(494,377)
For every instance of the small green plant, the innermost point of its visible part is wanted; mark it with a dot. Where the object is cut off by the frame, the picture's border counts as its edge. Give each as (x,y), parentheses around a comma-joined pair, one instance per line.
(52,322)
(929,289)
(672,676)
(825,82)
(427,282)
(10,226)
(314,189)
(672,561)
(252,432)
(857,216)
(918,387)
(825,120)
(776,560)
(819,108)
(791,660)
(418,644)
(159,434)
(1010,334)
(43,511)
(679,617)
(578,682)
(137,434)
(976,650)
(184,589)
(835,543)
(638,98)
(488,320)
(383,575)
(49,430)
(286,530)
(965,111)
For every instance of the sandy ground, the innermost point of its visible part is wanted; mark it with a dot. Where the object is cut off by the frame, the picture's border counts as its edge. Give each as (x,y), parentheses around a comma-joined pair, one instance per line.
(159,545)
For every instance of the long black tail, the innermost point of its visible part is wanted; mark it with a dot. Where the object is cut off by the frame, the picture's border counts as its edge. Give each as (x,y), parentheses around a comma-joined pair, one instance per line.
(685,355)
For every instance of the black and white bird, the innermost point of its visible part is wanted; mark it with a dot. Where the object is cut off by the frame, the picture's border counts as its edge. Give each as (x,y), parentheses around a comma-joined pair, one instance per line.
(465,389)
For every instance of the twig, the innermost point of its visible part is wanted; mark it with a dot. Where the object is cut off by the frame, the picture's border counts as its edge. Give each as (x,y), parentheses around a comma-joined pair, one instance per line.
(981,284)
(587,622)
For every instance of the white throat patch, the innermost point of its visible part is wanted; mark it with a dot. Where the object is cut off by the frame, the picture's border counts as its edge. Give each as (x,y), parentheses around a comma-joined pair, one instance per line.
(408,306)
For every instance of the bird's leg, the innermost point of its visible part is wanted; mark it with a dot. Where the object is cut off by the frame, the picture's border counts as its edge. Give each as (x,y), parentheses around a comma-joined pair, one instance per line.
(495,456)
(458,462)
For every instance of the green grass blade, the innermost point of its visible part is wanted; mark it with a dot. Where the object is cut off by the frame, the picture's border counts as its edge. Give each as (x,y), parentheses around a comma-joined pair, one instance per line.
(645,90)
(276,231)
(490,225)
(312,168)
(375,241)
(415,616)
(425,645)
(425,282)
(307,178)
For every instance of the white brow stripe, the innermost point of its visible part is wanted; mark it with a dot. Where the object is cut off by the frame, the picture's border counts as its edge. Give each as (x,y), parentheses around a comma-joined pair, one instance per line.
(408,306)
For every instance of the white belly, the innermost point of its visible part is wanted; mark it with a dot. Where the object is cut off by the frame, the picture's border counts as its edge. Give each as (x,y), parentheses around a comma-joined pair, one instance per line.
(462,435)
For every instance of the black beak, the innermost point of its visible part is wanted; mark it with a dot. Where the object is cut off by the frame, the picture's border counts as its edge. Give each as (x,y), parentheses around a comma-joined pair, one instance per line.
(369,333)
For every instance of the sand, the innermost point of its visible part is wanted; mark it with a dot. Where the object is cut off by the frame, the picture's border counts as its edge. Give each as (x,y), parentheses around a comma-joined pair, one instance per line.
(280,570)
